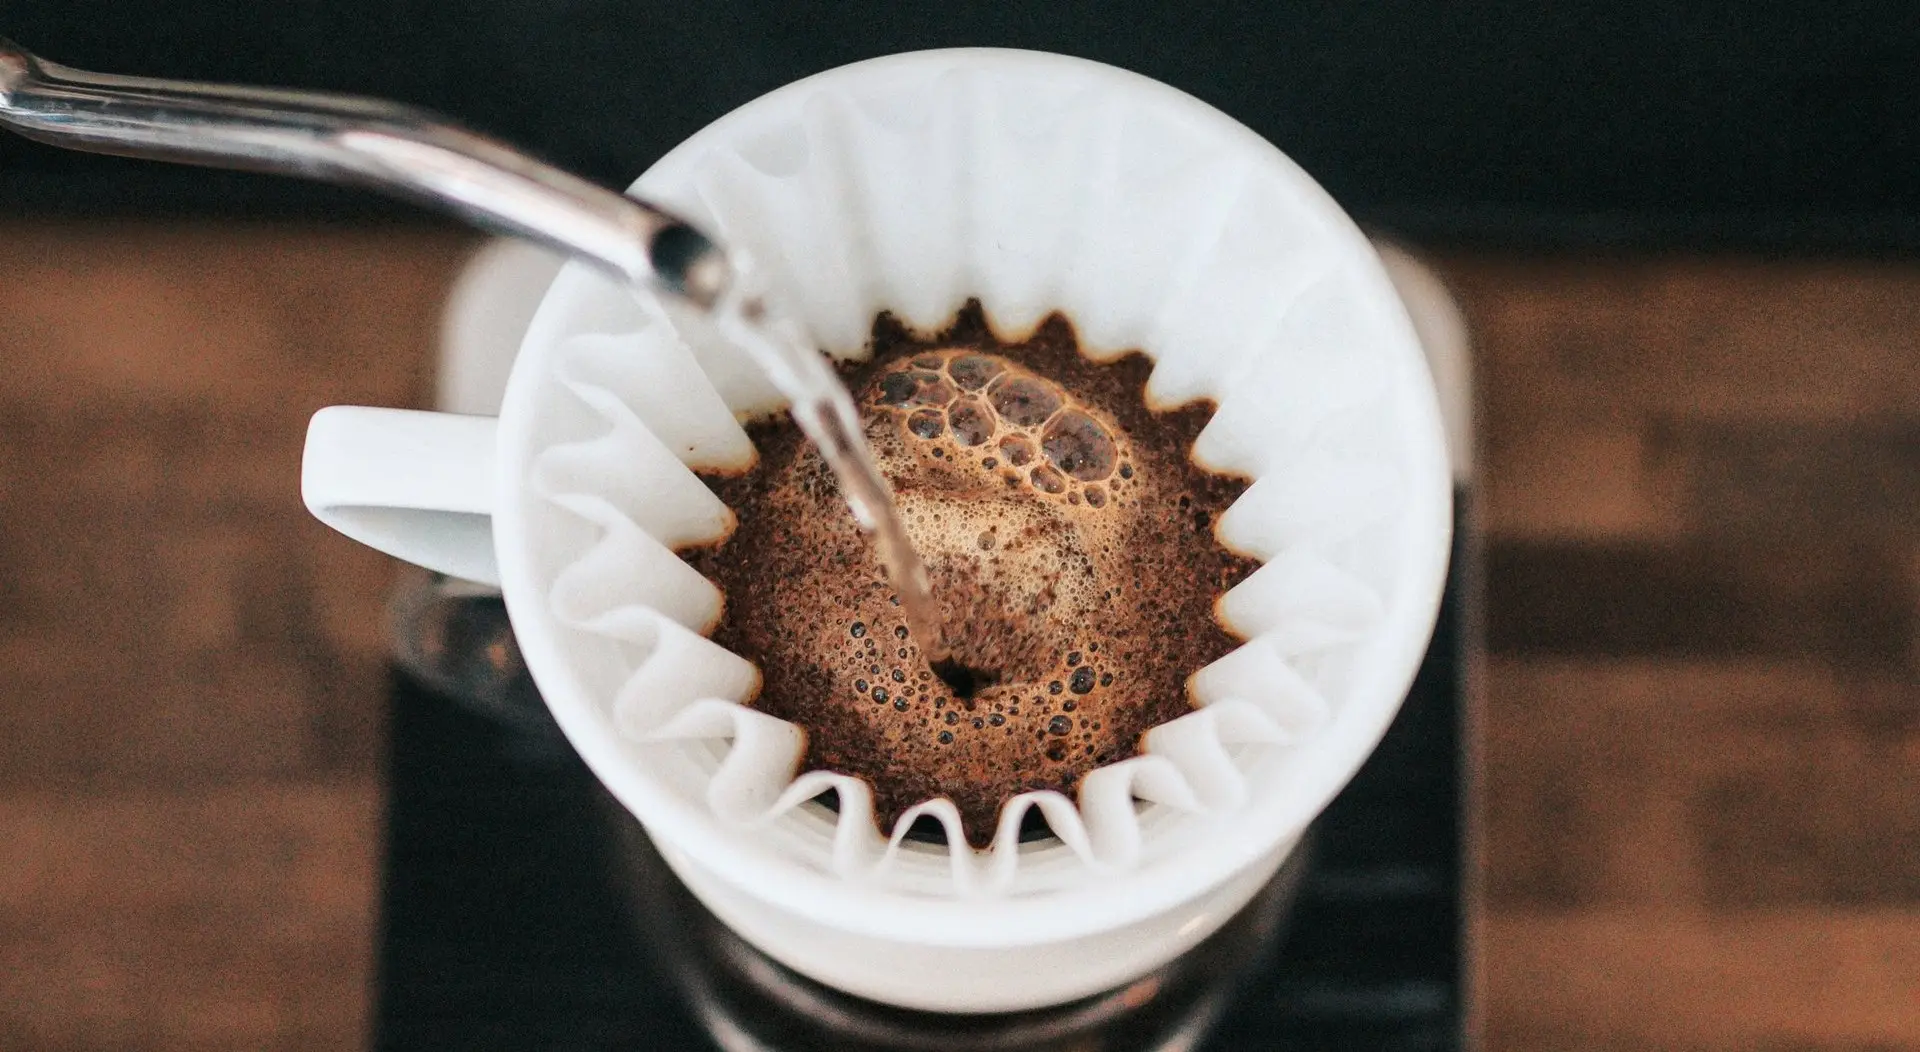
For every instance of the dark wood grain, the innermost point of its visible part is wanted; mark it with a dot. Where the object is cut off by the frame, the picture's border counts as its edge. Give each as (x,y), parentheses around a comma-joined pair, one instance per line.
(1751,480)
(231,917)
(1702,723)
(1847,601)
(190,731)
(1815,979)
(1700,785)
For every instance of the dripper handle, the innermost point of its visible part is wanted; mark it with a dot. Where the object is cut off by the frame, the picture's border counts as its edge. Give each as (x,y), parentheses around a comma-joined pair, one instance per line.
(418,486)
(368,142)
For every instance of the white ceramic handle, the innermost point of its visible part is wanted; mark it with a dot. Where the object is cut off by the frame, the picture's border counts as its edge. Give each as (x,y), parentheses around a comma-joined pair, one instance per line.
(418,486)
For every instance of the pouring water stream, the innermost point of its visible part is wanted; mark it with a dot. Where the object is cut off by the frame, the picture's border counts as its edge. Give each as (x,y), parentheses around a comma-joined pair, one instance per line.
(413,154)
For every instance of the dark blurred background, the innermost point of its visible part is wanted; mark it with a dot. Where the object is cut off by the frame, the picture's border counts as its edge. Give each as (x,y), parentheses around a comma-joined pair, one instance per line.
(1683,235)
(1770,122)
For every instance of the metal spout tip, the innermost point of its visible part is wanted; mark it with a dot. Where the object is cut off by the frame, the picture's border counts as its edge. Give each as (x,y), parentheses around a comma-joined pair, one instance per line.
(16,68)
(689,264)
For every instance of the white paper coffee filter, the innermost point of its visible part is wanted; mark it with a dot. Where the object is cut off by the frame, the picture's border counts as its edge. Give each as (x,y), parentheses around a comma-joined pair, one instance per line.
(1165,228)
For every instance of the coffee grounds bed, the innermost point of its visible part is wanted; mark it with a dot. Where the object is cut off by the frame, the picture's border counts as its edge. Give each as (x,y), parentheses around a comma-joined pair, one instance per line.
(523,910)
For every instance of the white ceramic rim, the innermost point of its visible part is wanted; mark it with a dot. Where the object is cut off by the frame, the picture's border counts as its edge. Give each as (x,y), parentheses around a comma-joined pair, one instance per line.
(678,824)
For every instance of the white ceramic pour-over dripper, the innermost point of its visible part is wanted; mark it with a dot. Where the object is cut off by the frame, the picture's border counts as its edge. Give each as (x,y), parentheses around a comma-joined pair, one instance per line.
(911,183)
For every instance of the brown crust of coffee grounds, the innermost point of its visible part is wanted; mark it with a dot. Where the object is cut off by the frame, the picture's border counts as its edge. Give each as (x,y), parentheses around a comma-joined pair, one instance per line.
(1069,538)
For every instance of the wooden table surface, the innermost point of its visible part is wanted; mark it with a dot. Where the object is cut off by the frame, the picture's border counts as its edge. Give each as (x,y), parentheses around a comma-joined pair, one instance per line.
(1701,742)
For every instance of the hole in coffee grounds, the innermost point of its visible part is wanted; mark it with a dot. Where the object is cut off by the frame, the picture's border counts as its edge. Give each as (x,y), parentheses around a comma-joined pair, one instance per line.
(965,682)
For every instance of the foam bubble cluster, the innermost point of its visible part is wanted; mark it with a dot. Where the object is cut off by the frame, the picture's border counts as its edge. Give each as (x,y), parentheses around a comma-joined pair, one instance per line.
(974,407)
